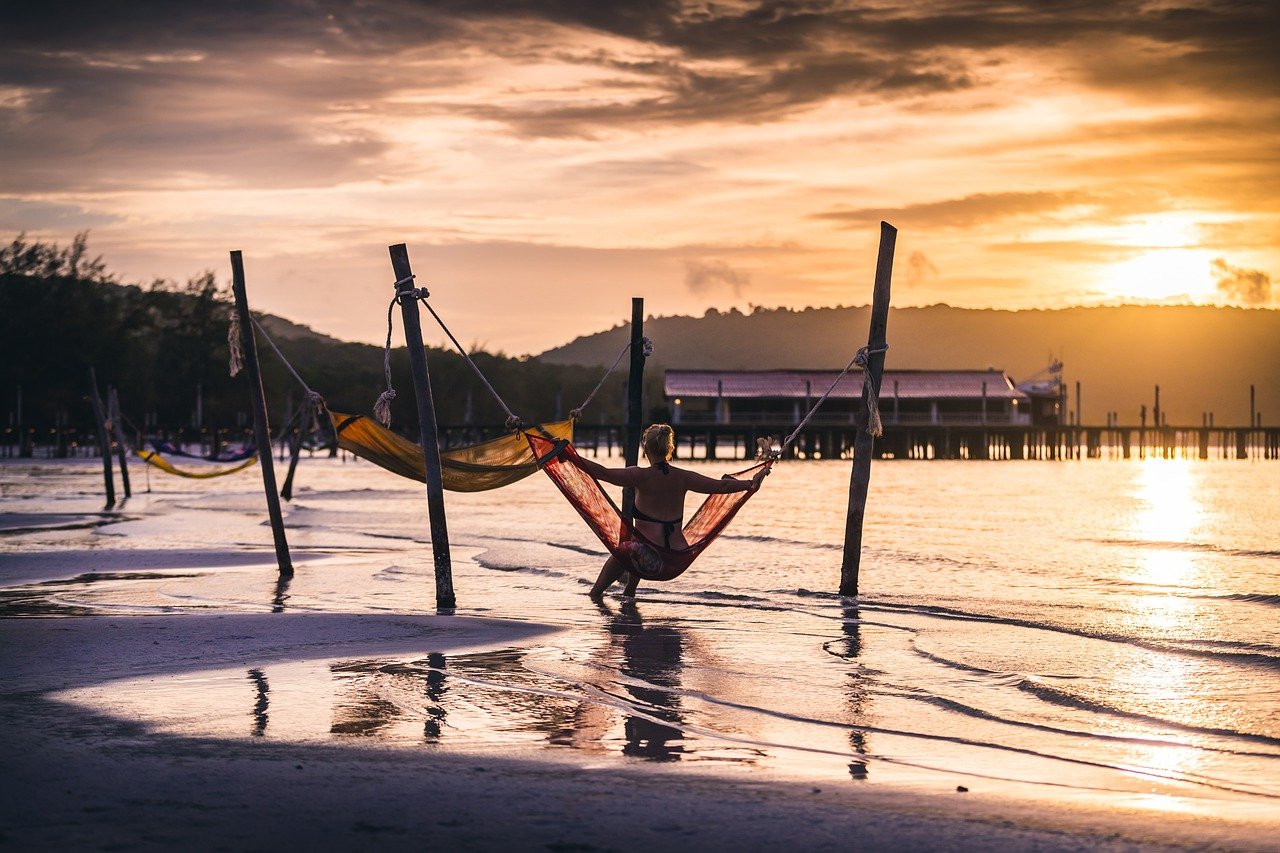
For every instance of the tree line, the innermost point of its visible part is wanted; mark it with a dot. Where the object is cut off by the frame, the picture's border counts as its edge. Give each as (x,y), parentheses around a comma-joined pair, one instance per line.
(164,345)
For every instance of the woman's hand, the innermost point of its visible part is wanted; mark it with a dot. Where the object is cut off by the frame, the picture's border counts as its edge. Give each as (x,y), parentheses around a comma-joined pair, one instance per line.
(759,476)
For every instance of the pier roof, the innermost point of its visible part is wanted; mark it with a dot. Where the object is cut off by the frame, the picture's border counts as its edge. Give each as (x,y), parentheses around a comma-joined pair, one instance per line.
(799,384)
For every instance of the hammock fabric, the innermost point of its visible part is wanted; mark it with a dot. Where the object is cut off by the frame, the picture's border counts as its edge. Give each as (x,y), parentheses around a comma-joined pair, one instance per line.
(153,458)
(636,552)
(477,468)
(170,449)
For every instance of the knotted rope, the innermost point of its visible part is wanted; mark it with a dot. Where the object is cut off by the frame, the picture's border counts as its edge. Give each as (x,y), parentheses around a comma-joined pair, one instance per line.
(235,350)
(871,395)
(382,408)
(870,391)
(646,350)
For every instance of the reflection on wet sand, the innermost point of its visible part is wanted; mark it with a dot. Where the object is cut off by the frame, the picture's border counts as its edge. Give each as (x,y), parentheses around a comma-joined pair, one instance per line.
(858,697)
(281,593)
(652,655)
(436,691)
(259,713)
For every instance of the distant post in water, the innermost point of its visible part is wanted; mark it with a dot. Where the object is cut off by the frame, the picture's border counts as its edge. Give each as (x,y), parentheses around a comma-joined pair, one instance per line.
(295,449)
(635,393)
(864,442)
(113,410)
(261,429)
(104,441)
(426,425)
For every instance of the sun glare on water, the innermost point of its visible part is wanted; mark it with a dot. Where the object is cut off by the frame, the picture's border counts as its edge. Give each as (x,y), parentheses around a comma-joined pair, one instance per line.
(1169,514)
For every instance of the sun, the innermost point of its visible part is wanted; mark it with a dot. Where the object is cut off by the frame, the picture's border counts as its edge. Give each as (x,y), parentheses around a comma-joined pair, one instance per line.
(1163,275)
(1163,261)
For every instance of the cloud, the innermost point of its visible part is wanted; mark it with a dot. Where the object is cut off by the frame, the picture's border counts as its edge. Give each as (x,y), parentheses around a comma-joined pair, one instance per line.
(920,269)
(964,212)
(19,215)
(702,277)
(1242,286)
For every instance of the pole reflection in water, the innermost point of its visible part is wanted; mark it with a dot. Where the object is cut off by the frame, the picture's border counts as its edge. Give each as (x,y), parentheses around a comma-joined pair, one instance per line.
(281,594)
(653,655)
(435,692)
(851,650)
(259,712)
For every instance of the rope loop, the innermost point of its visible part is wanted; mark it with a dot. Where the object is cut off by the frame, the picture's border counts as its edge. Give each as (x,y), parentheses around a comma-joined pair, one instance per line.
(235,347)
(864,353)
(575,414)
(869,393)
(766,450)
(382,408)
(646,349)
(515,424)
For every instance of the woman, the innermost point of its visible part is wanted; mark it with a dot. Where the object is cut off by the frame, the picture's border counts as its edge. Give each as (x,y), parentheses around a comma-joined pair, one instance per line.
(659,497)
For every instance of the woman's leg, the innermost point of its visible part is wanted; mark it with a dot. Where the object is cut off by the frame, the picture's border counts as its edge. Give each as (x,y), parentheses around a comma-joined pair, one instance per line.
(610,572)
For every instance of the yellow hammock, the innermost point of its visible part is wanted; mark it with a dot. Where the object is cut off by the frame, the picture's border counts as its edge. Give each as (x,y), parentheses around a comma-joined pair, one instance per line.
(488,465)
(153,458)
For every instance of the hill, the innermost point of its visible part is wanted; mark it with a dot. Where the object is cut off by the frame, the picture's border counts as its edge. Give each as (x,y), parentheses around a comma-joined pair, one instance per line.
(1203,358)
(163,346)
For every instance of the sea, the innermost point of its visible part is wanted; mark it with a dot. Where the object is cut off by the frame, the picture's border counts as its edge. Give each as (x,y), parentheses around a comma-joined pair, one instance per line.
(1076,630)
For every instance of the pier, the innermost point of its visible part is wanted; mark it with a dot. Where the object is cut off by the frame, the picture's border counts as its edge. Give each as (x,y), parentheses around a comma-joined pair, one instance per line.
(936,441)
(819,440)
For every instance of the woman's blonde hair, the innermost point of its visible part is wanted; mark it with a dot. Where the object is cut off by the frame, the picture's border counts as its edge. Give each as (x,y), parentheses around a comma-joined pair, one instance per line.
(659,441)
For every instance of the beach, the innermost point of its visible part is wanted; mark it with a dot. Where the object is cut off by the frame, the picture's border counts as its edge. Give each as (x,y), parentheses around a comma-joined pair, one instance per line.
(1020,671)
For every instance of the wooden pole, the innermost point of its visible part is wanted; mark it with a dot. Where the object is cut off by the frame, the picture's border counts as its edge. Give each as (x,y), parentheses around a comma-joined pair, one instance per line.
(113,408)
(427,430)
(635,393)
(864,442)
(261,429)
(295,449)
(104,442)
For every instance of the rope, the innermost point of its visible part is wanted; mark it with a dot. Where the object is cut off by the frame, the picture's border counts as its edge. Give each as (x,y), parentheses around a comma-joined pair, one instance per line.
(382,408)
(513,423)
(871,395)
(646,349)
(235,351)
(313,398)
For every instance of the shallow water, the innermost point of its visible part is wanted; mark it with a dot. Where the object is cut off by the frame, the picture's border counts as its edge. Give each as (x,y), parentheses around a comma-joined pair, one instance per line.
(1042,629)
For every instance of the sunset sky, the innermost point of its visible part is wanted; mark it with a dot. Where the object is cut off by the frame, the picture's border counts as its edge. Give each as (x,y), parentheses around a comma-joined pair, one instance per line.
(546,161)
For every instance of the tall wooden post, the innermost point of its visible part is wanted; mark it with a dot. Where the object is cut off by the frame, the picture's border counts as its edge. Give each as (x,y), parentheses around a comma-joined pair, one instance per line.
(864,442)
(635,393)
(104,441)
(113,409)
(427,430)
(261,429)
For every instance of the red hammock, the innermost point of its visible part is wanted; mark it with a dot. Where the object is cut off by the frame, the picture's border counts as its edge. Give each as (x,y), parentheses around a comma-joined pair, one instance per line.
(637,553)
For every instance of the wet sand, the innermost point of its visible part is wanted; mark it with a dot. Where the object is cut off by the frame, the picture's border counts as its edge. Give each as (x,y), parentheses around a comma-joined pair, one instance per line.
(76,778)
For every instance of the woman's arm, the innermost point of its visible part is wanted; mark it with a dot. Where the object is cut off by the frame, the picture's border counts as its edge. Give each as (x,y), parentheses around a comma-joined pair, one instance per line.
(696,482)
(629,476)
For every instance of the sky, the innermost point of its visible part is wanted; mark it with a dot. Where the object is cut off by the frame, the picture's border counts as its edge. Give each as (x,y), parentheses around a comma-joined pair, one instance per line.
(546,161)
